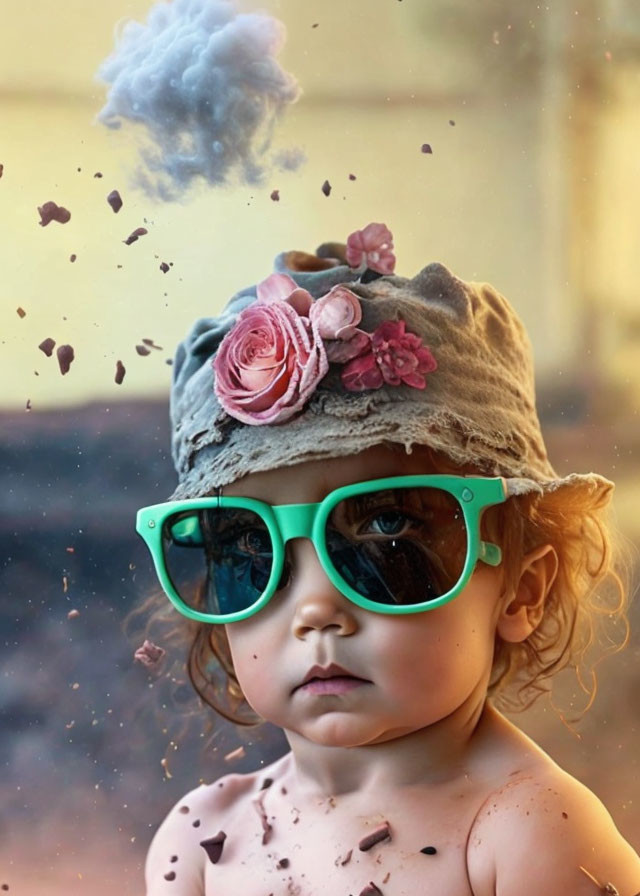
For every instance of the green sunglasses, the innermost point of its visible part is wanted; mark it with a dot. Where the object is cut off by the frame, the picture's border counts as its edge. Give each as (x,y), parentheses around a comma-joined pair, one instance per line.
(398,545)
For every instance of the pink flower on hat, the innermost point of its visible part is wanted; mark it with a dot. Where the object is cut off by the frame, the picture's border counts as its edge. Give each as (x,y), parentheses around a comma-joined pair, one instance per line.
(374,246)
(395,357)
(337,315)
(270,362)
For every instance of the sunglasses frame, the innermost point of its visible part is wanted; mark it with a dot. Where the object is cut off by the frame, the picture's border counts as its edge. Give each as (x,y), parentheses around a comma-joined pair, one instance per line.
(287,521)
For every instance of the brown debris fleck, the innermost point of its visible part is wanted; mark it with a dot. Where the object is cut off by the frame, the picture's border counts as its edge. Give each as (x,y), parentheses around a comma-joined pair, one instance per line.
(50,211)
(1,170)
(383,832)
(213,846)
(426,148)
(343,860)
(326,188)
(235,754)
(267,828)
(115,200)
(28,405)
(138,232)
(371,890)
(73,257)
(429,850)
(352,177)
(143,350)
(170,875)
(266,784)
(275,195)
(98,174)
(46,346)
(386,877)
(120,372)
(151,344)
(164,267)
(65,355)
(149,655)
(184,810)
(21,312)
(283,863)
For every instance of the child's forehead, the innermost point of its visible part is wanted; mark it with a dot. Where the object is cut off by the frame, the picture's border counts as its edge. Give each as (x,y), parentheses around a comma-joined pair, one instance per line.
(312,480)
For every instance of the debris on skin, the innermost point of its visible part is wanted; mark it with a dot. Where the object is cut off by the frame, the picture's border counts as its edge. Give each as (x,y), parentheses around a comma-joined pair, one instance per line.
(429,850)
(386,877)
(235,754)
(452,122)
(115,200)
(370,890)
(138,232)
(184,810)
(51,212)
(267,829)
(120,372)
(170,875)
(266,783)
(283,863)
(343,861)
(173,859)
(196,823)
(352,177)
(326,188)
(98,174)
(21,312)
(65,355)
(143,350)
(28,405)
(213,846)
(426,148)
(275,195)
(604,888)
(73,614)
(72,257)
(149,654)
(164,267)
(383,832)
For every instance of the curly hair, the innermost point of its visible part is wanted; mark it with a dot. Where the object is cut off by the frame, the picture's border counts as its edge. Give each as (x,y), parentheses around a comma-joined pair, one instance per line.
(586,607)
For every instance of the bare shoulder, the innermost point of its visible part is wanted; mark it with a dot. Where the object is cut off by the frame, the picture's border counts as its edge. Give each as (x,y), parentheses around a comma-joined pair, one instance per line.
(176,853)
(542,827)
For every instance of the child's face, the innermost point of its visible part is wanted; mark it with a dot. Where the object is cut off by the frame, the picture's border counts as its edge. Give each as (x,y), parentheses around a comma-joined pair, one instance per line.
(418,668)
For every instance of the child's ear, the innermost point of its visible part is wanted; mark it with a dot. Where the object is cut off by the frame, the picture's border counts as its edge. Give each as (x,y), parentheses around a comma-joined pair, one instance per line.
(522,609)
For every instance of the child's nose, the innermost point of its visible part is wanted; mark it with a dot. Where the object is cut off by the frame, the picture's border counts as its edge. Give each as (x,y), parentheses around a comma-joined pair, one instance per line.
(318,605)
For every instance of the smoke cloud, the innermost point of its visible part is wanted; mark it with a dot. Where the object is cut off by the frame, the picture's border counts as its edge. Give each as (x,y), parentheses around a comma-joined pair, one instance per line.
(204,83)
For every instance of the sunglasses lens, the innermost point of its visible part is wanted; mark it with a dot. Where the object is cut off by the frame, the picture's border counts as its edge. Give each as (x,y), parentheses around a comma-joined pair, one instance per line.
(398,546)
(219,560)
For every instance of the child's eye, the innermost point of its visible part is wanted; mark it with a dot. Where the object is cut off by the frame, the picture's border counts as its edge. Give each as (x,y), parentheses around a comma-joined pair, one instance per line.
(391,522)
(252,541)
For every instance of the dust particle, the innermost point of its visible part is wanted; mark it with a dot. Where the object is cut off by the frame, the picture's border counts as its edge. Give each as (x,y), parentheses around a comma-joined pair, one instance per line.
(326,188)
(426,148)
(429,850)
(65,355)
(170,875)
(120,372)
(275,195)
(143,350)
(164,267)
(115,200)
(51,212)
(72,257)
(21,312)
(138,232)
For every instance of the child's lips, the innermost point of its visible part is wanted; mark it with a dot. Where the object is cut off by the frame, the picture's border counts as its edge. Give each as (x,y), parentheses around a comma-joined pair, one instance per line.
(332,679)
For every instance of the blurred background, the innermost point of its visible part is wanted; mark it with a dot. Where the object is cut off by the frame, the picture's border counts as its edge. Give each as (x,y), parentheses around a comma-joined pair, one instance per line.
(532,115)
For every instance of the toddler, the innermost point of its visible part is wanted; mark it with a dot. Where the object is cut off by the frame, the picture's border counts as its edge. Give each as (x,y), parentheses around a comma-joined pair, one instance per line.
(369,541)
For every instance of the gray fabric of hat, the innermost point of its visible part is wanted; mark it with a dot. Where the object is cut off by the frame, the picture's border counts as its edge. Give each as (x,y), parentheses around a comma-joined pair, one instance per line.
(478,405)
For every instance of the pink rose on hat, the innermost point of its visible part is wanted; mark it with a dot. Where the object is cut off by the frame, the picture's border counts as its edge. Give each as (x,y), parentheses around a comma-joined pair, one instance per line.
(372,246)
(270,362)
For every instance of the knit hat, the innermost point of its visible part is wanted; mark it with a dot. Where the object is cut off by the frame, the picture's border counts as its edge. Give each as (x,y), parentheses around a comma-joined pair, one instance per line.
(335,354)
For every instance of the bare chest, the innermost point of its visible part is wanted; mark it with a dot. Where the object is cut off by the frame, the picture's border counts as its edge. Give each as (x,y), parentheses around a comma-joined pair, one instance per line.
(410,845)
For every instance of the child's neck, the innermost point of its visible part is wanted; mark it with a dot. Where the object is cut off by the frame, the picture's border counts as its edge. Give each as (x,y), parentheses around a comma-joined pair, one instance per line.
(451,748)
